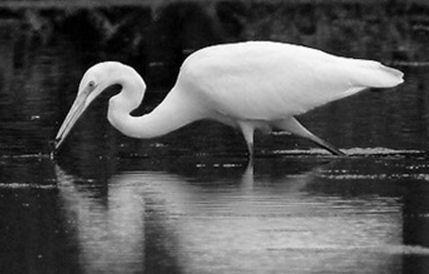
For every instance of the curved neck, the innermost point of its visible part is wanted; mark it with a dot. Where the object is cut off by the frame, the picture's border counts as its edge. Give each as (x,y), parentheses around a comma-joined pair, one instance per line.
(175,111)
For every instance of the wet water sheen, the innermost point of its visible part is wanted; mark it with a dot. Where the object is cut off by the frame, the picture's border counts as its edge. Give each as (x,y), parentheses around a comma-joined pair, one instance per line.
(302,213)
(189,202)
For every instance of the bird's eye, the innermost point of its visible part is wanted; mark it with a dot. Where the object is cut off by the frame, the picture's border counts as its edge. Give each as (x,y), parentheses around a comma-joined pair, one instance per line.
(91,84)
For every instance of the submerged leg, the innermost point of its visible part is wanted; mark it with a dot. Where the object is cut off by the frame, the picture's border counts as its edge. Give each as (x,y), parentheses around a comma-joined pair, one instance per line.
(293,126)
(248,132)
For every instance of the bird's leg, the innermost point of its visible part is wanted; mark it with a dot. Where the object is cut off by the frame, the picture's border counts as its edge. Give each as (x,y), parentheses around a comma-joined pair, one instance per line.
(293,126)
(248,132)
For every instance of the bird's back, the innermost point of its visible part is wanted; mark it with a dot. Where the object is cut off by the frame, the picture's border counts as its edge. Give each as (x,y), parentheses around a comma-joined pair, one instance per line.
(269,80)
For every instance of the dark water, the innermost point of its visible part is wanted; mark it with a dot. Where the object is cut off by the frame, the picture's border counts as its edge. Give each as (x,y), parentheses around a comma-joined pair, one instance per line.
(188,202)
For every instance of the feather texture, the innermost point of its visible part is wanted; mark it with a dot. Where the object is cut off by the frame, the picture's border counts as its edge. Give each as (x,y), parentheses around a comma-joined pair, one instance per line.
(269,80)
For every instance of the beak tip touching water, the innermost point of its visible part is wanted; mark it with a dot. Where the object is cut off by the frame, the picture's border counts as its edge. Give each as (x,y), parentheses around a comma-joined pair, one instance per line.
(55,144)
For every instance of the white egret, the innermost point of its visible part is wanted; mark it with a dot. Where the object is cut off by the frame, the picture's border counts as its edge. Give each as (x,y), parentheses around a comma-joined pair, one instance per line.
(249,86)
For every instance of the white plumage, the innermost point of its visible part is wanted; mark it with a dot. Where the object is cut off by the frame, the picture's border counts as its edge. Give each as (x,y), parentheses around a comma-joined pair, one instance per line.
(266,80)
(249,85)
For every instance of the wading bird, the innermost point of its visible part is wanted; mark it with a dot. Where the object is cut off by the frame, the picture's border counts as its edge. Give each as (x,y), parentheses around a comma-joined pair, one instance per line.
(249,86)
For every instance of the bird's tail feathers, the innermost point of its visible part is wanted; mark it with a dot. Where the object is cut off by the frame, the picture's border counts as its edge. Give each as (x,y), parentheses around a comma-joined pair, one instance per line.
(377,75)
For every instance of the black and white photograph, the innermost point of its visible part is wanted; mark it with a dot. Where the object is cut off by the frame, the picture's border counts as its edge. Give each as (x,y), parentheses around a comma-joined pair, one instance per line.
(214,136)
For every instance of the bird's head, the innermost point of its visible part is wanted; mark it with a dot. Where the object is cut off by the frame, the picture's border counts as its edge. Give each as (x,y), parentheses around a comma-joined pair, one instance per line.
(95,80)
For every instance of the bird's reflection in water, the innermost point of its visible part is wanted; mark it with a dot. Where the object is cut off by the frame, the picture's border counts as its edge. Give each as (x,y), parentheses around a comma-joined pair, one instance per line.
(217,219)
(110,230)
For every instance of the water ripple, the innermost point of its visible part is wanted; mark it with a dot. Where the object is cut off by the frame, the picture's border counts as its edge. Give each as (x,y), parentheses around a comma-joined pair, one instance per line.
(382,176)
(26,186)
(350,151)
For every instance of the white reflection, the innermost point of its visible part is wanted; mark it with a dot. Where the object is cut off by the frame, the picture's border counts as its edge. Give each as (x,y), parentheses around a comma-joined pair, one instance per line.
(111,234)
(248,224)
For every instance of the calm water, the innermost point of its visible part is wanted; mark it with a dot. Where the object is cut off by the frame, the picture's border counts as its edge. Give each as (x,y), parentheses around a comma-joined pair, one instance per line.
(189,202)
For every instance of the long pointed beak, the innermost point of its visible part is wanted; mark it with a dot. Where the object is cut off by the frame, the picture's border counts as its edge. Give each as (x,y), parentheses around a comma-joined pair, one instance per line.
(75,112)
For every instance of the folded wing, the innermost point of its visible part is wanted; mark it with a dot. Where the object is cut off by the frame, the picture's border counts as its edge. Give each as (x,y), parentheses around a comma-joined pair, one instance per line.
(266,81)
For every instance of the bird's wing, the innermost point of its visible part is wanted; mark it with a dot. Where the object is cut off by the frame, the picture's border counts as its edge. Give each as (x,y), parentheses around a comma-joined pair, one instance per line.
(266,81)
